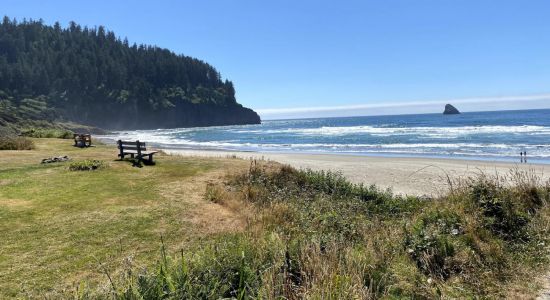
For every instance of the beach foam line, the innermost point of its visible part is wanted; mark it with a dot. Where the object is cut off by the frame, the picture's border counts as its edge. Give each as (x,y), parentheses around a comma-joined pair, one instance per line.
(465,149)
(174,141)
(387,131)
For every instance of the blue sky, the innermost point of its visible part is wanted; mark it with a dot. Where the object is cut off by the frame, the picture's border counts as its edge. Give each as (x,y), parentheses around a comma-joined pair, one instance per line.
(325,58)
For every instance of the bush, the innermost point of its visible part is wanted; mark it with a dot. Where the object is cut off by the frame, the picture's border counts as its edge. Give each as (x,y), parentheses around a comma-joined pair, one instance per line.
(505,210)
(431,244)
(48,133)
(224,269)
(86,165)
(15,143)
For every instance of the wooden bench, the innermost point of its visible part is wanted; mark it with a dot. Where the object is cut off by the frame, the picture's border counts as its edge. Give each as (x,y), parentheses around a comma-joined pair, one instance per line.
(82,140)
(136,150)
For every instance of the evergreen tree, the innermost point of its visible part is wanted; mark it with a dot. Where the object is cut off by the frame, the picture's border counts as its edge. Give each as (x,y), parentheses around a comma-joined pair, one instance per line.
(90,76)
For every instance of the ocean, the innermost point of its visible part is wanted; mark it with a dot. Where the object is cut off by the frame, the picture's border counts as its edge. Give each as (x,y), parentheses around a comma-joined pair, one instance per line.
(497,135)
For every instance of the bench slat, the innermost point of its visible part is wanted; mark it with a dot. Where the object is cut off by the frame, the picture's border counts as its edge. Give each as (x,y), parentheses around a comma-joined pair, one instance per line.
(124,148)
(131,143)
(142,152)
(148,152)
(132,146)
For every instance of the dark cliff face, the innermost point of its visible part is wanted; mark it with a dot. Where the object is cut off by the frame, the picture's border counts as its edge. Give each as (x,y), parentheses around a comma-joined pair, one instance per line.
(450,110)
(183,115)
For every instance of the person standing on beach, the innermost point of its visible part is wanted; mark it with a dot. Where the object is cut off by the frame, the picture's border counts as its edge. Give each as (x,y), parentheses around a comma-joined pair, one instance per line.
(521,156)
(525,156)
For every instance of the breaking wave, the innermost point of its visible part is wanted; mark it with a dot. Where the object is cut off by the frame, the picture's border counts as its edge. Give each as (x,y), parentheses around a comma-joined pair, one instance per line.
(497,134)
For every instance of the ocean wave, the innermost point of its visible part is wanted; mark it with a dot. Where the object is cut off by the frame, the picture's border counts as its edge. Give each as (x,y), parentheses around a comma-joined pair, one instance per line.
(479,149)
(383,138)
(444,132)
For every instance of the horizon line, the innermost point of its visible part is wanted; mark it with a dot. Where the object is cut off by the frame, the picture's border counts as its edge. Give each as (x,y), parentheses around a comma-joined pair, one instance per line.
(272,113)
(406,114)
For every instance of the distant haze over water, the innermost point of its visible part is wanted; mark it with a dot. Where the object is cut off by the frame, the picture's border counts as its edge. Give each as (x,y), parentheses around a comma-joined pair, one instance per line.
(475,104)
(480,135)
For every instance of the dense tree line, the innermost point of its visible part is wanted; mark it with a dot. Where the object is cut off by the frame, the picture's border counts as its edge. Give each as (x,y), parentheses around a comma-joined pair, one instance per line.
(91,76)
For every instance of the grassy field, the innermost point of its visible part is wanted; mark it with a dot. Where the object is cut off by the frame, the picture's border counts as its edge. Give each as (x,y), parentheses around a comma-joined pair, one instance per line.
(314,235)
(60,228)
(205,228)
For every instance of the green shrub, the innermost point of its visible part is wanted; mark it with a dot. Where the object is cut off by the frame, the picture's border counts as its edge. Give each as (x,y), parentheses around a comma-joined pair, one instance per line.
(227,268)
(86,165)
(15,143)
(431,244)
(505,210)
(47,133)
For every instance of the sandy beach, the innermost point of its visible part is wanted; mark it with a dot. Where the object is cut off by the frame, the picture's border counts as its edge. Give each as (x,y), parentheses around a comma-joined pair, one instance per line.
(410,176)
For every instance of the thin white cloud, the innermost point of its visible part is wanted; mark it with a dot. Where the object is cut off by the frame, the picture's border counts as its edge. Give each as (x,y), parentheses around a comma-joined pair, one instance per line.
(468,104)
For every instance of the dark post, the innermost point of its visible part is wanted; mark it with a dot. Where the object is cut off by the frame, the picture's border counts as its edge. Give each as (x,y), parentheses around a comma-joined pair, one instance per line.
(138,145)
(119,142)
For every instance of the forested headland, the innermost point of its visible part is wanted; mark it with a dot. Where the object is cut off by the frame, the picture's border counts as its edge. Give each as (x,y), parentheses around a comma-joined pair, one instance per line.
(90,76)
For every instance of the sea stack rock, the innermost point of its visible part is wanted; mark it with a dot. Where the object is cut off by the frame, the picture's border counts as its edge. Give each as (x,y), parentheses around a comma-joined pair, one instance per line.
(450,110)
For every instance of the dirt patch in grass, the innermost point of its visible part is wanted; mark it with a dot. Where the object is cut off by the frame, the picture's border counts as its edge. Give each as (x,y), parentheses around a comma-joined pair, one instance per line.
(5,182)
(14,203)
(207,217)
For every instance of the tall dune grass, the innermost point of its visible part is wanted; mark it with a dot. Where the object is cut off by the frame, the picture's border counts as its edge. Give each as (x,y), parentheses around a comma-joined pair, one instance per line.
(314,235)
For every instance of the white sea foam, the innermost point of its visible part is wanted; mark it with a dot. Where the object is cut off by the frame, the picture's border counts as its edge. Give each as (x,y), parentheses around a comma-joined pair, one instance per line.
(173,141)
(486,140)
(445,132)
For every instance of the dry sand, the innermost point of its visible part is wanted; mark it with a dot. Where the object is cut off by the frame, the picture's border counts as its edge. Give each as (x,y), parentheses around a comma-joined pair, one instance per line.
(411,176)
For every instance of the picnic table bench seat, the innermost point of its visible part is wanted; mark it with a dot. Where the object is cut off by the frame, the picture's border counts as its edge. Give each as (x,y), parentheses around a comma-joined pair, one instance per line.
(135,149)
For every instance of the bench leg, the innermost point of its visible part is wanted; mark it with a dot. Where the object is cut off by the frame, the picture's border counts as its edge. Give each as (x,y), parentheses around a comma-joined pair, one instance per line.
(137,162)
(147,159)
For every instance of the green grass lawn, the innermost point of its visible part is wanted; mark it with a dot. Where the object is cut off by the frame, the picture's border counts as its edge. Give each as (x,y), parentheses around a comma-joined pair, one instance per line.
(234,228)
(57,225)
